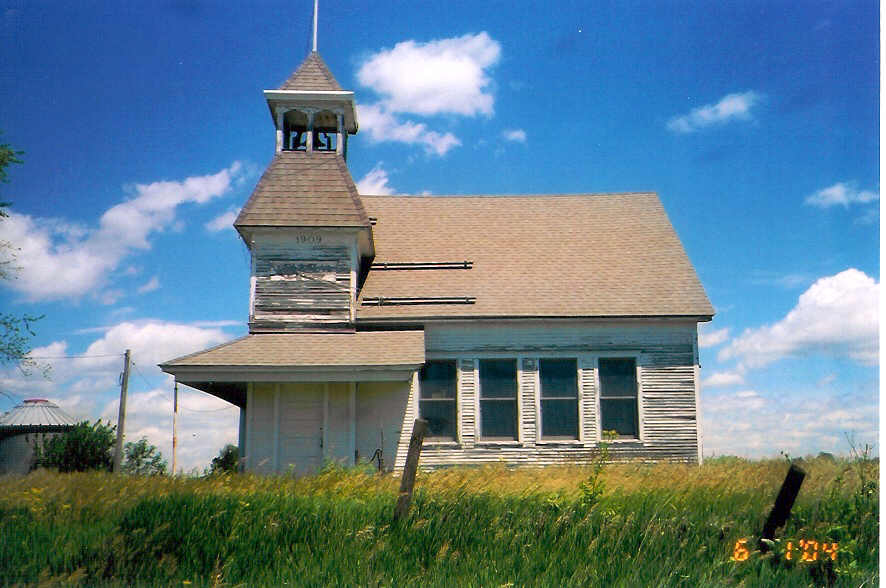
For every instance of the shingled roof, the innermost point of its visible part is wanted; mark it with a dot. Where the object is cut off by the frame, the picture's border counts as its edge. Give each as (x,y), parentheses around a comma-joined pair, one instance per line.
(588,255)
(302,189)
(310,350)
(312,75)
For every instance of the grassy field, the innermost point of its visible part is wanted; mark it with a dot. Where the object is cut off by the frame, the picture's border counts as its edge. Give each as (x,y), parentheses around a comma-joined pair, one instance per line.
(652,525)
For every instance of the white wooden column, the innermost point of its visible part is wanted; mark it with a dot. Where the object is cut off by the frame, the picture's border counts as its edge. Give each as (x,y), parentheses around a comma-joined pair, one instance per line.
(309,141)
(325,438)
(279,130)
(339,143)
(250,415)
(276,462)
(352,432)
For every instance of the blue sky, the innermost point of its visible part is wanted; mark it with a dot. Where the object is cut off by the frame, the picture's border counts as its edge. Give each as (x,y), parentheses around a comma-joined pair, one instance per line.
(144,130)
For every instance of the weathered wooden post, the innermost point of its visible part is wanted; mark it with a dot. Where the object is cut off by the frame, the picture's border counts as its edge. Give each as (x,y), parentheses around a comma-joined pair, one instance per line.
(408,482)
(783,504)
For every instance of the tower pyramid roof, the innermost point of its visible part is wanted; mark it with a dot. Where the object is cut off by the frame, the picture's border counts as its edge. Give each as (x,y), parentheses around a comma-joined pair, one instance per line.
(312,75)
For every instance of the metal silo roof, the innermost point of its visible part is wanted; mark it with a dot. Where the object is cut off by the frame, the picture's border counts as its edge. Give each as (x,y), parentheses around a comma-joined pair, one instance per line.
(36,412)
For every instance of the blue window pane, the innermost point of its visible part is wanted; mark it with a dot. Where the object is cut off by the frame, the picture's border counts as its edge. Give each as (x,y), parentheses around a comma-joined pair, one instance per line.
(559,418)
(619,416)
(437,379)
(498,378)
(437,397)
(498,418)
(618,377)
(558,378)
(440,416)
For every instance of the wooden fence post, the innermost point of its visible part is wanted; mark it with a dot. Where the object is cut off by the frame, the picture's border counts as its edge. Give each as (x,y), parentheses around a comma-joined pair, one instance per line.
(408,482)
(781,510)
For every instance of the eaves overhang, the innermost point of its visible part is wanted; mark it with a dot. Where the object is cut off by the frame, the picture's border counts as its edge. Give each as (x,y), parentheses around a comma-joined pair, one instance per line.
(322,98)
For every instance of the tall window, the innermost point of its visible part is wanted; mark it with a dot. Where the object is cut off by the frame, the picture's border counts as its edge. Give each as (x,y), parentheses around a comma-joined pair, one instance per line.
(436,402)
(618,396)
(498,398)
(559,398)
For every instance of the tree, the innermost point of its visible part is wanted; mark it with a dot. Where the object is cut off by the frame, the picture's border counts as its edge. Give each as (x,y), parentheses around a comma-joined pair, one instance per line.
(142,459)
(85,447)
(15,330)
(227,460)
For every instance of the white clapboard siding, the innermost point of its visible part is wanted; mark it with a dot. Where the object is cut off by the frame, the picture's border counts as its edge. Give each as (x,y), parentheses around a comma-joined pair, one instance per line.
(467,389)
(529,406)
(664,353)
(409,417)
(588,404)
(297,283)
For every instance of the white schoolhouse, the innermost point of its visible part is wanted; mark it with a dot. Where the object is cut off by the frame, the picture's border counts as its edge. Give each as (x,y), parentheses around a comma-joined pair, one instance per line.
(520,327)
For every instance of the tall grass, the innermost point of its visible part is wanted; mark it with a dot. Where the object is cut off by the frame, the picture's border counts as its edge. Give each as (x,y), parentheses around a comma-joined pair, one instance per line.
(655,525)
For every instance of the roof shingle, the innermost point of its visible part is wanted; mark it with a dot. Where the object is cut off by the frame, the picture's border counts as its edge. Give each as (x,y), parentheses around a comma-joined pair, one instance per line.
(312,350)
(588,255)
(302,189)
(312,75)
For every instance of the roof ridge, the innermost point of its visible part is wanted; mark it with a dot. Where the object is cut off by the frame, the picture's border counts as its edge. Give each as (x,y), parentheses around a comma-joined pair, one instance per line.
(553,195)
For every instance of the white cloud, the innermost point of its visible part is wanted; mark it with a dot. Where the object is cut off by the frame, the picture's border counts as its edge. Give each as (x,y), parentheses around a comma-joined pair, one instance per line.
(149,286)
(516,135)
(758,424)
(723,379)
(708,338)
(375,182)
(446,76)
(381,125)
(841,193)
(731,107)
(80,259)
(838,316)
(223,221)
(442,77)
(151,342)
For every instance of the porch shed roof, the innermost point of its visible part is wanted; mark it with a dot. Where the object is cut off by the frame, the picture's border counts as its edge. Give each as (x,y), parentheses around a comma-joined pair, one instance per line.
(310,350)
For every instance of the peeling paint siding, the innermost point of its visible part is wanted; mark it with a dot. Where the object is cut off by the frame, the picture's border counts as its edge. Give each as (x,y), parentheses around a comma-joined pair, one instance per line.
(664,353)
(588,390)
(528,383)
(301,284)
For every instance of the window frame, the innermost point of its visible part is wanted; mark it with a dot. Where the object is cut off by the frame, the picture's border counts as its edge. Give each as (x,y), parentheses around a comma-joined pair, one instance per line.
(638,375)
(456,433)
(479,435)
(540,399)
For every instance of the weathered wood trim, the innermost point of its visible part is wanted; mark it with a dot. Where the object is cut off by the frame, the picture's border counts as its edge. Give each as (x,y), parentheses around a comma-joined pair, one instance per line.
(325,437)
(276,449)
(459,401)
(528,389)
(590,406)
(409,416)
(352,408)
(468,380)
(518,385)
(250,426)
(696,376)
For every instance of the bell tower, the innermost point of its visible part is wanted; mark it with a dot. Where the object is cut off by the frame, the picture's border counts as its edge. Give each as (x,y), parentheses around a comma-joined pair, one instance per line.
(305,226)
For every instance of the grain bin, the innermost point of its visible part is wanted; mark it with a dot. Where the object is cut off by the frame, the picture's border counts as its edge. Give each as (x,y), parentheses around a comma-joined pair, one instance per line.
(23,427)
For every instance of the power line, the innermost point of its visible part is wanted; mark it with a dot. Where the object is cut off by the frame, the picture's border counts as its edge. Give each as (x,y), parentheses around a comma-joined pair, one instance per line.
(210,410)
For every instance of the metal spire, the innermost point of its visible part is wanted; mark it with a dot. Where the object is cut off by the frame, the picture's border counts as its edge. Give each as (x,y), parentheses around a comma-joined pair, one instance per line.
(315,25)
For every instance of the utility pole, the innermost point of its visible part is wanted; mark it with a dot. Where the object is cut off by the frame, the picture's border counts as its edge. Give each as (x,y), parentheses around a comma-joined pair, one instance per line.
(121,416)
(174,426)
